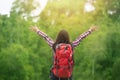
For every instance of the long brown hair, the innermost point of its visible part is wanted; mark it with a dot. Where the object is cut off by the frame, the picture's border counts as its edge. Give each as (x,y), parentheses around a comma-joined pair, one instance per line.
(62,37)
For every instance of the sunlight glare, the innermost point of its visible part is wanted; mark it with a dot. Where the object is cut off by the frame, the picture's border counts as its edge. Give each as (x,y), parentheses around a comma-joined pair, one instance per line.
(37,11)
(89,7)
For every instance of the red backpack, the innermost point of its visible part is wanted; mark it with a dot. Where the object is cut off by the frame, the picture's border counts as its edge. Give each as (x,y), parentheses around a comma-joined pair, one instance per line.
(63,61)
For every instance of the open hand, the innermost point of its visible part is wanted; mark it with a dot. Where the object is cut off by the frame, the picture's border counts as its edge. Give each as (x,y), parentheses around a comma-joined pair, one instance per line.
(34,28)
(93,28)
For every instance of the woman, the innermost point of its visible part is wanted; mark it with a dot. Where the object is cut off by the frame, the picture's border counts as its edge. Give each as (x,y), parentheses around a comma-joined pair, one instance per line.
(62,37)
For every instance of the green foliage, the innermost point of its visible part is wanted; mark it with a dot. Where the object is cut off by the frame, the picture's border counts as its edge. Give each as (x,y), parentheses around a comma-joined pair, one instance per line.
(25,56)
(13,61)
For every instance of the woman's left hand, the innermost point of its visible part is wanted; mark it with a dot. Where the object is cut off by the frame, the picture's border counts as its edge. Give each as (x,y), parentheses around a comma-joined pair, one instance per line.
(34,28)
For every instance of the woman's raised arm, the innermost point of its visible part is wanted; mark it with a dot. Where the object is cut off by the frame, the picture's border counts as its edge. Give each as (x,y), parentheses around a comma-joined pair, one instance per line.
(43,35)
(82,36)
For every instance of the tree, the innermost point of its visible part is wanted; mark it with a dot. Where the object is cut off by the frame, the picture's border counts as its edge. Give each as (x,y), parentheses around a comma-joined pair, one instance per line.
(109,8)
(13,63)
(25,8)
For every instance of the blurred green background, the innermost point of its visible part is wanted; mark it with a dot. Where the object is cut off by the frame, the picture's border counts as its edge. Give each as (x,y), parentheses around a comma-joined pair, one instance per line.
(26,56)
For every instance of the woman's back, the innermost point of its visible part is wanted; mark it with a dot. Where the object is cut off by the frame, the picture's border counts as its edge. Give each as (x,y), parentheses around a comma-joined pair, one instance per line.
(62,37)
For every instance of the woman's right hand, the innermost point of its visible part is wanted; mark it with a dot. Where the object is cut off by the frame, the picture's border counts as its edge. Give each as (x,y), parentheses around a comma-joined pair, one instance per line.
(93,28)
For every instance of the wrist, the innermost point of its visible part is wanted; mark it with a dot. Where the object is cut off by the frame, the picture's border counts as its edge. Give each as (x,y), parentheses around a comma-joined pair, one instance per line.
(37,30)
(90,30)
